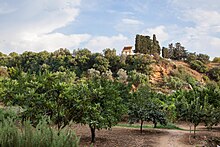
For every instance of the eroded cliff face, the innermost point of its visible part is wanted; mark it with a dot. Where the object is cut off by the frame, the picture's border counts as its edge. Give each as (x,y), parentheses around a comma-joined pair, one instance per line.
(167,68)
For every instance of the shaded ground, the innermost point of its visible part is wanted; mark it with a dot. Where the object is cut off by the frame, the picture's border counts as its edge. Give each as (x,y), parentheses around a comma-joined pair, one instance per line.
(131,137)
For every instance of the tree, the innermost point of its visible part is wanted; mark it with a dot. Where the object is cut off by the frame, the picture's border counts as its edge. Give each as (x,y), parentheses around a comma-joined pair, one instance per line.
(203,58)
(39,95)
(216,60)
(83,60)
(196,106)
(146,45)
(114,60)
(101,64)
(100,104)
(179,52)
(165,52)
(108,53)
(140,63)
(189,107)
(145,106)
(191,57)
(143,44)
(155,46)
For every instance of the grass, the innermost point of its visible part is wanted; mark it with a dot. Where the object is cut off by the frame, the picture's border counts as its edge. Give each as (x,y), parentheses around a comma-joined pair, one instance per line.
(168,126)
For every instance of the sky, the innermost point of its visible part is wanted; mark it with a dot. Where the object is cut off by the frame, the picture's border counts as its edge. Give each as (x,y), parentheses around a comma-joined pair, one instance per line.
(37,25)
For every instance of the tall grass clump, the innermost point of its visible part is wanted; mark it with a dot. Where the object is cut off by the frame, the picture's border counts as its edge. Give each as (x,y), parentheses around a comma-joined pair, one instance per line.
(17,135)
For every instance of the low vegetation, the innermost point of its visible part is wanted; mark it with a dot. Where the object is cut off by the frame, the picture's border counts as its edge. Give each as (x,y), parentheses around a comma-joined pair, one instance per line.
(17,134)
(97,90)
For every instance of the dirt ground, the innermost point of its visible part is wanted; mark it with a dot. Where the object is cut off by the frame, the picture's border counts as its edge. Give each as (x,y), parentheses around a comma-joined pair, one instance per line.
(131,137)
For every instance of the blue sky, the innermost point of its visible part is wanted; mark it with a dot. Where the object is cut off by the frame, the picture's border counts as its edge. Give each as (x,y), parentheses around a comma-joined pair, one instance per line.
(37,25)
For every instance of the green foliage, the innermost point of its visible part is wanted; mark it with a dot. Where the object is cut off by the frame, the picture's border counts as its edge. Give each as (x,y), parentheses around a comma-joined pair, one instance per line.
(27,136)
(216,60)
(197,106)
(214,73)
(114,60)
(100,104)
(167,126)
(145,45)
(145,106)
(7,114)
(181,79)
(101,64)
(175,83)
(177,52)
(191,57)
(198,66)
(137,78)
(82,60)
(155,46)
(203,58)
(40,95)
(140,63)
(165,52)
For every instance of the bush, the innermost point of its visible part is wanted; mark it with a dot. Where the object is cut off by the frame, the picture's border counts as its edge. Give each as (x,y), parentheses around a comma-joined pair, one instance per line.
(203,58)
(214,73)
(216,60)
(6,113)
(175,83)
(198,66)
(26,136)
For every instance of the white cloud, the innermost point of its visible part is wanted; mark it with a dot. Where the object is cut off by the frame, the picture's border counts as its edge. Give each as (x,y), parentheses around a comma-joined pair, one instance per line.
(97,44)
(31,26)
(159,31)
(206,18)
(131,21)
(202,35)
(128,25)
(49,42)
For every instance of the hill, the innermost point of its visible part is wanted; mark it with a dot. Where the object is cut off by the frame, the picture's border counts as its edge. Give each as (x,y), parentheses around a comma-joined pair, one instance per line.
(166,72)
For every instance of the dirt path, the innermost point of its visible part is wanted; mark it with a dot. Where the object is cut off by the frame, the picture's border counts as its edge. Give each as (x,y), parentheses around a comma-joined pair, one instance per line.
(173,139)
(131,137)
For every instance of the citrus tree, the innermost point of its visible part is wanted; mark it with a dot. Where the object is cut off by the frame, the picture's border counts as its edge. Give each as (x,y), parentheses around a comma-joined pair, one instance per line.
(100,104)
(145,105)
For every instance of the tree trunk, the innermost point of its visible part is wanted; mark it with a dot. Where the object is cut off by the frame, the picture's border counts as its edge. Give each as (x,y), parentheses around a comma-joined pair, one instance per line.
(194,131)
(92,129)
(142,126)
(190,129)
(155,123)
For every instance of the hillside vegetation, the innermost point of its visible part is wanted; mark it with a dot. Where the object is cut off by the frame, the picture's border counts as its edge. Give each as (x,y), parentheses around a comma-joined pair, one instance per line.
(101,89)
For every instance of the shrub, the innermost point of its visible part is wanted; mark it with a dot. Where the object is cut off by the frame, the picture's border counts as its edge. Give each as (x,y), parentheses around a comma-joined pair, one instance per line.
(203,58)
(175,83)
(214,73)
(7,113)
(198,66)
(26,136)
(216,60)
